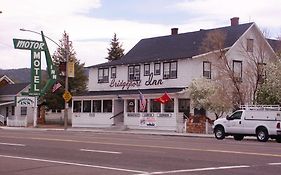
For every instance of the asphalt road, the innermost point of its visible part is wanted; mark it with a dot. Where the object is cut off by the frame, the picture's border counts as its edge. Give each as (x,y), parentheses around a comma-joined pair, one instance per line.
(77,153)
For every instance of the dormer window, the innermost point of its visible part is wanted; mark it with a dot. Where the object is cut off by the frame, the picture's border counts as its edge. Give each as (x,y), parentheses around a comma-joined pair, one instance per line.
(250,45)
(103,75)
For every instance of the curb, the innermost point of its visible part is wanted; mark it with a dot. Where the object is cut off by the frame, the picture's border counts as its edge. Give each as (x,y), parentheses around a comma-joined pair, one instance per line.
(130,131)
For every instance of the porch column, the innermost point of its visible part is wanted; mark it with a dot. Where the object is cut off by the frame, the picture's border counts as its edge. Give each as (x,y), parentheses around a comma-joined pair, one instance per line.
(136,105)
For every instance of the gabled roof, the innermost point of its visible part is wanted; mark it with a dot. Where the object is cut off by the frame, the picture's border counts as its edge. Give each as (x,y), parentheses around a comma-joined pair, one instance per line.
(6,78)
(173,47)
(13,89)
(275,44)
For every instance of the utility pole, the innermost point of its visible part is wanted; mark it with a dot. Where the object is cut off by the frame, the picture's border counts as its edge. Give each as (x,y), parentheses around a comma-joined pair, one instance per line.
(66,82)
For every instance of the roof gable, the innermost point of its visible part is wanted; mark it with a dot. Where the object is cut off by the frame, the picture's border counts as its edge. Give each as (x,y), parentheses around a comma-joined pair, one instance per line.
(13,89)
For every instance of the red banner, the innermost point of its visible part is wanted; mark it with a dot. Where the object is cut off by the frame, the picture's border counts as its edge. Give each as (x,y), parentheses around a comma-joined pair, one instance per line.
(163,99)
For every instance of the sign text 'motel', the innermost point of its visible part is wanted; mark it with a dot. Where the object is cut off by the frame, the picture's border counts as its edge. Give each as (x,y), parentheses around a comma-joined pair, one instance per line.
(36,47)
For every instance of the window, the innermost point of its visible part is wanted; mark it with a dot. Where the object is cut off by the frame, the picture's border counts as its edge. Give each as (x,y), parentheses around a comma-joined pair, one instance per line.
(170,70)
(103,75)
(207,69)
(113,72)
(146,69)
(96,105)
(23,111)
(76,106)
(184,106)
(107,105)
(235,116)
(134,72)
(261,72)
(87,106)
(131,105)
(237,70)
(157,68)
(145,110)
(250,45)
(169,106)
(155,106)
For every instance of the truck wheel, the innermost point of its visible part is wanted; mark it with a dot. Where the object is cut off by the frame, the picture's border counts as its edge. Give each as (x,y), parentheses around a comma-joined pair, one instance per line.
(262,135)
(278,139)
(219,133)
(238,137)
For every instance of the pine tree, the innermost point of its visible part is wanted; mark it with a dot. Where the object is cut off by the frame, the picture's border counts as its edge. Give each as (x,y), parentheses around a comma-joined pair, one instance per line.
(115,51)
(76,85)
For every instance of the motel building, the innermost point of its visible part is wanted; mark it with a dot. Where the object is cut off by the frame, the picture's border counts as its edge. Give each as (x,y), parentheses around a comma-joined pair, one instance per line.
(153,67)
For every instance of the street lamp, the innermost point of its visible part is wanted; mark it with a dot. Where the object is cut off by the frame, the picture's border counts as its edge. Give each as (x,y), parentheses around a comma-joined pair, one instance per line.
(66,71)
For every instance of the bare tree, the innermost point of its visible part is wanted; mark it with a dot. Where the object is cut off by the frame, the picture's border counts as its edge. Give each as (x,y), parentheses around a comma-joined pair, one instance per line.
(214,45)
(257,56)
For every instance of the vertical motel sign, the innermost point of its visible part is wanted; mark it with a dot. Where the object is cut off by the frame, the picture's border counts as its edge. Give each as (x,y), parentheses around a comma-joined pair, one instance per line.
(36,48)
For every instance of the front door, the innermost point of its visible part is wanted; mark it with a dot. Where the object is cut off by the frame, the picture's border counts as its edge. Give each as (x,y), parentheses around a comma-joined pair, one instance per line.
(234,123)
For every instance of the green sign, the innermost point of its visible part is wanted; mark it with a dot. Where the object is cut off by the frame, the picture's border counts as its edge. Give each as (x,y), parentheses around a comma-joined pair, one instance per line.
(36,47)
(35,71)
(29,44)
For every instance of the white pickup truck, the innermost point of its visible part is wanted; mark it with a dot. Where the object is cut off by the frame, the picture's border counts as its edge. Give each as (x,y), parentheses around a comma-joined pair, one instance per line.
(260,121)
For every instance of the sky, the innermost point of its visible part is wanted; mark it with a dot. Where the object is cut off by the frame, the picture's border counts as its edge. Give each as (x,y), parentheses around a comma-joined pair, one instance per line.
(91,24)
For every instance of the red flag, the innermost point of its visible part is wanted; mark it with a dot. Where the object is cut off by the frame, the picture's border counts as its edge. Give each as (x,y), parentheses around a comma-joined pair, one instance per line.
(163,99)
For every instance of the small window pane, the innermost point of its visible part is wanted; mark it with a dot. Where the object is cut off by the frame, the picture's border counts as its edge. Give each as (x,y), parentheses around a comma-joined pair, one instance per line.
(146,69)
(155,106)
(107,105)
(96,105)
(157,69)
(113,72)
(207,69)
(87,106)
(250,45)
(237,70)
(23,111)
(76,106)
(169,106)
(166,67)
(131,105)
(184,106)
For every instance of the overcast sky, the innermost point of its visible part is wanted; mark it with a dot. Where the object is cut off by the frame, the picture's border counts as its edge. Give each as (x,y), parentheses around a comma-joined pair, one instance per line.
(91,24)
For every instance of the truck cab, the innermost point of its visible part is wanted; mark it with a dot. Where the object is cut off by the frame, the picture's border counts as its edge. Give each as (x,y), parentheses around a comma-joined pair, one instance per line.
(259,121)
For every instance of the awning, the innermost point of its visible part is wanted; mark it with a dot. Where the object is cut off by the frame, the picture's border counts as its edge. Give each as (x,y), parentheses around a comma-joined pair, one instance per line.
(132,92)
(6,103)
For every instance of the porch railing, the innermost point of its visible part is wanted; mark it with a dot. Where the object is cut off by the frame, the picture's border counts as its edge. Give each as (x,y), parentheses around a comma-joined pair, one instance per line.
(117,114)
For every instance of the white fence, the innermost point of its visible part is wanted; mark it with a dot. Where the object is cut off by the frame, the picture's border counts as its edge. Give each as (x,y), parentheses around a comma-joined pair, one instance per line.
(18,122)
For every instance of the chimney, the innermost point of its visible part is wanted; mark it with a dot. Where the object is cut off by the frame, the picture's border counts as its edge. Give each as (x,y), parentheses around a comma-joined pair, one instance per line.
(234,21)
(174,31)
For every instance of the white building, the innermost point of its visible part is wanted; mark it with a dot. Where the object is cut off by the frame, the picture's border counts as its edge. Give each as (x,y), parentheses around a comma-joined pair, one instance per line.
(10,113)
(155,66)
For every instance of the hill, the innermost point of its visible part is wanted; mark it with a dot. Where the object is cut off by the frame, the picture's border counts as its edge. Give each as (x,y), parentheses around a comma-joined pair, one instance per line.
(19,75)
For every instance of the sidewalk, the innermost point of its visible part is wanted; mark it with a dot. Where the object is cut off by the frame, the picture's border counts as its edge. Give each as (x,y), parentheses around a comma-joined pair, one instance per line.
(107,130)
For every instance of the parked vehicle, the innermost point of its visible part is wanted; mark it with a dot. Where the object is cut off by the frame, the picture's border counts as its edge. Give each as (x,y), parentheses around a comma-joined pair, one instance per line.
(257,120)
